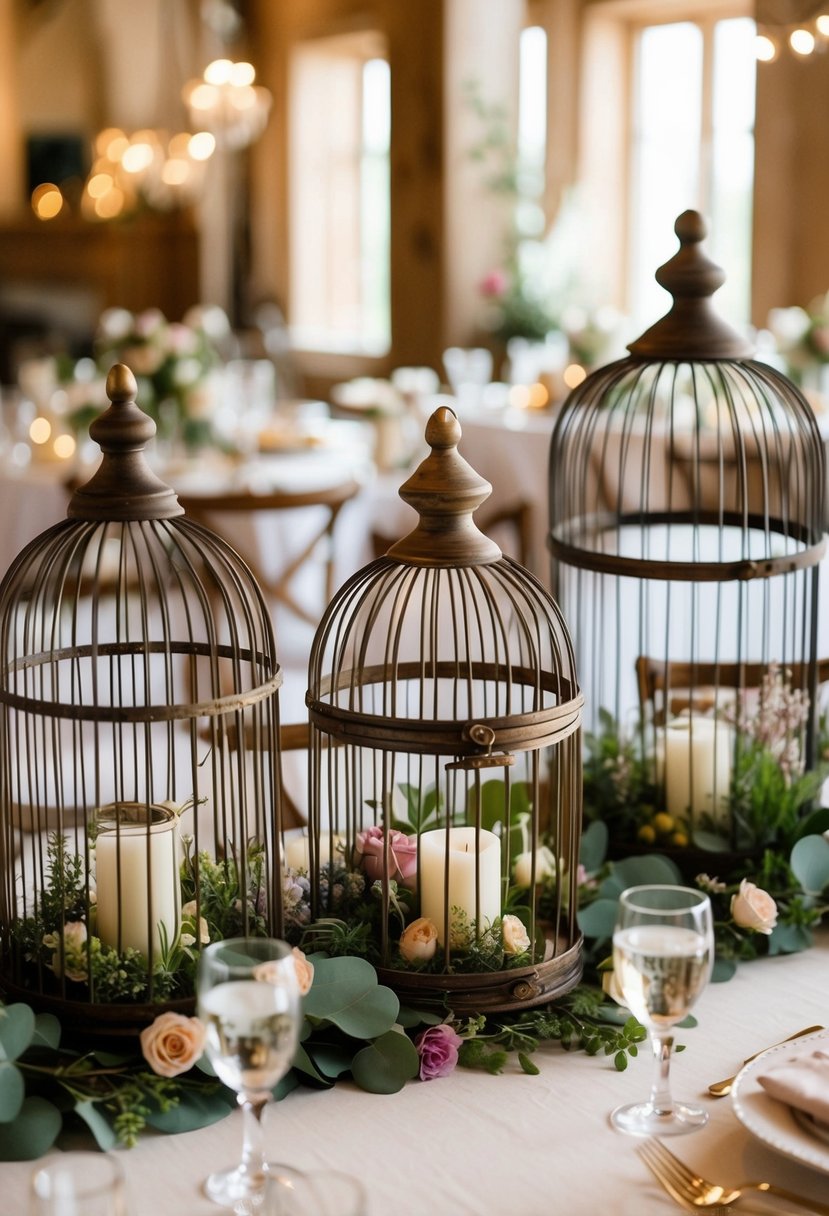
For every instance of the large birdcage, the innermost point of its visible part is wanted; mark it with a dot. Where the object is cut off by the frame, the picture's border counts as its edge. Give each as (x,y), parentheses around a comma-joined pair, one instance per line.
(445,794)
(686,512)
(139,761)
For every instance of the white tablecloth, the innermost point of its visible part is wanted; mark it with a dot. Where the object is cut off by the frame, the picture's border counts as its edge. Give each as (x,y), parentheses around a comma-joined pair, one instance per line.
(511,1145)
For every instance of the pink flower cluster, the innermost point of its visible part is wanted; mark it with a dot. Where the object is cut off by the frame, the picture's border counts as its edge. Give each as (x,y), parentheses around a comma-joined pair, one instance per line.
(777,720)
(438,1050)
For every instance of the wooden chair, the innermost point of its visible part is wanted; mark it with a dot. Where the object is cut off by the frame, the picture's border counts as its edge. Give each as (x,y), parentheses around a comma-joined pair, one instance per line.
(668,688)
(208,509)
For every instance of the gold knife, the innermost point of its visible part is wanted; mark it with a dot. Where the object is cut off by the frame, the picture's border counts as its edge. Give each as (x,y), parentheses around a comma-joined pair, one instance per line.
(720,1088)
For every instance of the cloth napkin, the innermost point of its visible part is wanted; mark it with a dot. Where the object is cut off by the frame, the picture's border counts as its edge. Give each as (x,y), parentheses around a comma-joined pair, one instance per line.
(803,1083)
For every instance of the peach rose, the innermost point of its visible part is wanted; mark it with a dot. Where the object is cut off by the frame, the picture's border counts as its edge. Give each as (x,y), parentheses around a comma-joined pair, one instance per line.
(610,987)
(419,941)
(514,933)
(753,908)
(304,971)
(173,1043)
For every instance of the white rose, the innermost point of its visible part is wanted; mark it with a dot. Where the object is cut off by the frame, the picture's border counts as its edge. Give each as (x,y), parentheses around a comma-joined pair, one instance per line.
(545,867)
(514,933)
(753,908)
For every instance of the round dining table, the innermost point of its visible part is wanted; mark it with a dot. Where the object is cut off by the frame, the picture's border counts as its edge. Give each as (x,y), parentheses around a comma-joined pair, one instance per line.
(471,1144)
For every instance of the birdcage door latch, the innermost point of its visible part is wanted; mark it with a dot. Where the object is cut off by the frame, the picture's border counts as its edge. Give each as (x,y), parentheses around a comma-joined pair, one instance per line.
(483,736)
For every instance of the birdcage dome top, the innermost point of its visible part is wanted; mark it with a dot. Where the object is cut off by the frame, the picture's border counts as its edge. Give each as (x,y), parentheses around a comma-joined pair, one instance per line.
(688,456)
(444,633)
(126,609)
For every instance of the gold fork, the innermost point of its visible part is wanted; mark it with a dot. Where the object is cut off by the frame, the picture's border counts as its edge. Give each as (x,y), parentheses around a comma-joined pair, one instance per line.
(687,1187)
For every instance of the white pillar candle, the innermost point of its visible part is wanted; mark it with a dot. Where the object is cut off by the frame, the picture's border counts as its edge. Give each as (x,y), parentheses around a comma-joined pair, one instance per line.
(697,765)
(296,851)
(474,861)
(137,877)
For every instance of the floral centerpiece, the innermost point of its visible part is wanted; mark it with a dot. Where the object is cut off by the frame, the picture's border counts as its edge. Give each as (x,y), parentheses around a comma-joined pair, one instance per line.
(801,340)
(176,365)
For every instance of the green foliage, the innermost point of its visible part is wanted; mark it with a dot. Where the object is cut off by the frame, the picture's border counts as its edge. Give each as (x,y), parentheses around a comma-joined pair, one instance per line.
(766,804)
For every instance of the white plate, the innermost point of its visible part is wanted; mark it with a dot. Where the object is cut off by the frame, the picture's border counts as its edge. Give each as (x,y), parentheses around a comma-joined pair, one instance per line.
(771,1121)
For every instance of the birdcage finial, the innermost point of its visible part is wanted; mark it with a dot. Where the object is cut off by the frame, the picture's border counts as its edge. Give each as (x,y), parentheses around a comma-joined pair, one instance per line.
(445,490)
(123,487)
(691,329)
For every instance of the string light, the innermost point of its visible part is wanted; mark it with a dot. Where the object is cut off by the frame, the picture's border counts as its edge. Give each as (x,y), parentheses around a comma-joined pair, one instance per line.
(806,39)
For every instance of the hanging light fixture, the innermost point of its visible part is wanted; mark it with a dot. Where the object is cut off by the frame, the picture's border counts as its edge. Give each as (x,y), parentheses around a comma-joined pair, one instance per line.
(801,26)
(227,103)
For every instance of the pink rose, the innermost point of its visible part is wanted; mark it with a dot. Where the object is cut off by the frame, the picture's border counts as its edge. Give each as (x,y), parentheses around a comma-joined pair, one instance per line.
(401,855)
(438,1050)
(173,1043)
(753,908)
(493,284)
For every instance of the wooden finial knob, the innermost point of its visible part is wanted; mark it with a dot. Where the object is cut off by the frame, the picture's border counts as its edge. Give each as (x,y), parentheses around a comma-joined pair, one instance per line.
(124,487)
(445,491)
(691,329)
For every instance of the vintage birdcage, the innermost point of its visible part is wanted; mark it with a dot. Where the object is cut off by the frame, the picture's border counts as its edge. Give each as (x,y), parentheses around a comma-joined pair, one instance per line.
(686,512)
(445,793)
(139,760)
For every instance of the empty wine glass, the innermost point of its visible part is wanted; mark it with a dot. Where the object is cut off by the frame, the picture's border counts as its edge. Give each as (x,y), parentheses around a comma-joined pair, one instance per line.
(663,951)
(248,999)
(79,1184)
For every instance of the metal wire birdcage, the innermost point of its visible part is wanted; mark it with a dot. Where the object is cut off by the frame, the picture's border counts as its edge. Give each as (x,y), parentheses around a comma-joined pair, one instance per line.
(686,513)
(138,710)
(445,793)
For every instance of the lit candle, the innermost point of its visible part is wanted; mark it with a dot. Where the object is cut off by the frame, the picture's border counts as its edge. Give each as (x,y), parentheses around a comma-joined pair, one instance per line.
(296,852)
(474,862)
(137,876)
(697,763)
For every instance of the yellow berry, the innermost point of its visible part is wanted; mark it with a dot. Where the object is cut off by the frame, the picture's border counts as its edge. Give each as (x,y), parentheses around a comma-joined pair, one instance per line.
(663,822)
(680,840)
(646,834)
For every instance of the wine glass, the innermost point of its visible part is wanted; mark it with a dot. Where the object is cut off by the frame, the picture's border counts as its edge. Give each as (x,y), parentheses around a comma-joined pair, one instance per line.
(92,1183)
(663,952)
(249,1001)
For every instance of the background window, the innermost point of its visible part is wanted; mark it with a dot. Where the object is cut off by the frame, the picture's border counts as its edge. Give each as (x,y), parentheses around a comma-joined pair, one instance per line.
(339,195)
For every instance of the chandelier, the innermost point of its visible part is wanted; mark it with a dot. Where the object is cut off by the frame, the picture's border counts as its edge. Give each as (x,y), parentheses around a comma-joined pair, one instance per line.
(226,103)
(801,26)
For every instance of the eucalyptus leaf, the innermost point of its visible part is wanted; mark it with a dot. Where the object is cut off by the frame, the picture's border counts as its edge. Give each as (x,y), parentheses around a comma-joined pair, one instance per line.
(639,871)
(98,1124)
(197,1108)
(286,1086)
(723,969)
(789,939)
(387,1064)
(303,1064)
(598,919)
(12,1091)
(331,1059)
(710,842)
(408,1017)
(17,1028)
(47,1031)
(32,1133)
(815,823)
(593,846)
(810,863)
(346,993)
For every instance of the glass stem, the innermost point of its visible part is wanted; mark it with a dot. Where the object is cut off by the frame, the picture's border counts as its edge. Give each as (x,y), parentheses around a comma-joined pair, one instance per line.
(661,1099)
(253,1144)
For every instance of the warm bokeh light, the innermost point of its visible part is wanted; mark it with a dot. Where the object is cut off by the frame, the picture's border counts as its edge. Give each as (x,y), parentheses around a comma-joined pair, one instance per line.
(175,171)
(110,205)
(64,446)
(802,41)
(137,158)
(99,184)
(242,74)
(765,48)
(201,146)
(243,99)
(538,396)
(573,375)
(40,430)
(822,24)
(519,396)
(47,201)
(203,97)
(179,145)
(220,71)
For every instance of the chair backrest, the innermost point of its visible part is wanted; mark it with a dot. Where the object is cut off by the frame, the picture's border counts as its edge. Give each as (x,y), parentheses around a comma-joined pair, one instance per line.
(671,687)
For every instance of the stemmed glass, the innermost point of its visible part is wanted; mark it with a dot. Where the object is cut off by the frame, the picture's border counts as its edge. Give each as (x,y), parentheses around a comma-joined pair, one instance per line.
(249,1001)
(663,952)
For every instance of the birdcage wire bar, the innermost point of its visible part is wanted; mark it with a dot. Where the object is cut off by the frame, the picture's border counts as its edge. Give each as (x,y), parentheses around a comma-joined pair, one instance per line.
(437,673)
(139,673)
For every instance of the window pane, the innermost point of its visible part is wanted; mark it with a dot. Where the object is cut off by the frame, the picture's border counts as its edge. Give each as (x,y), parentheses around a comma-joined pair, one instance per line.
(375,218)
(733,163)
(666,147)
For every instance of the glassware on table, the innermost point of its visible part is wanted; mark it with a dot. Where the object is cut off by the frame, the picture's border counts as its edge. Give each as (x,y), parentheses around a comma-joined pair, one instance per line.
(663,952)
(318,1193)
(248,999)
(79,1184)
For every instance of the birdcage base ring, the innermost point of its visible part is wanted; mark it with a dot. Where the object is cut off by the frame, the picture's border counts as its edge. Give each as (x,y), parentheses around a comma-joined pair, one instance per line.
(492,991)
(93,1021)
